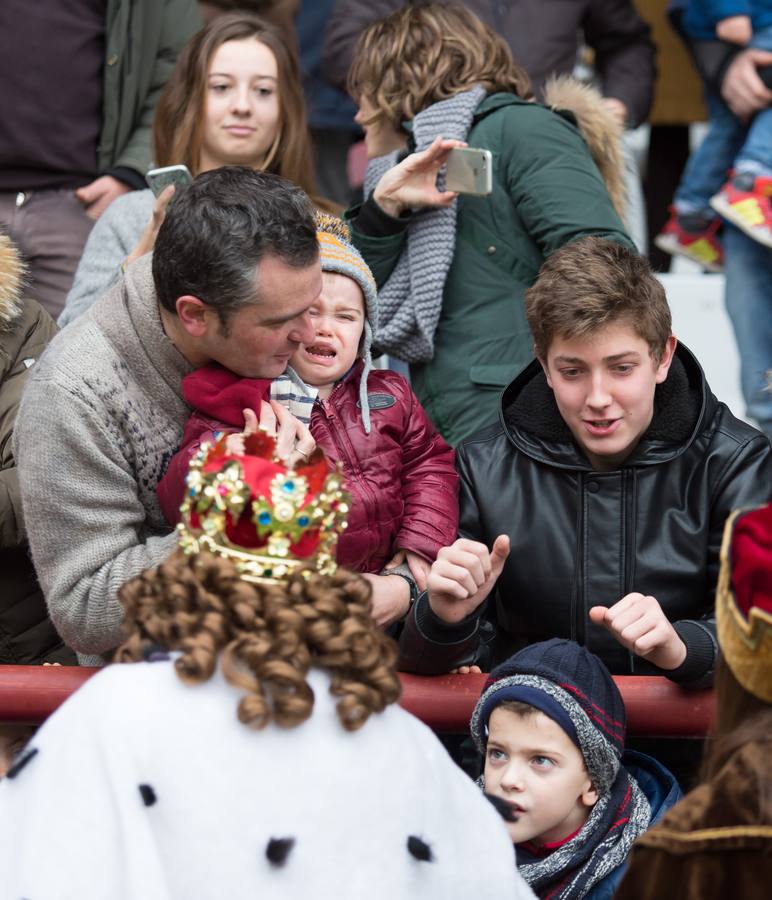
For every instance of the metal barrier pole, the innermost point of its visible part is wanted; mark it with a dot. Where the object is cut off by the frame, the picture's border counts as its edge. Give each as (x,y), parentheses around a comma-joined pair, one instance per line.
(655,706)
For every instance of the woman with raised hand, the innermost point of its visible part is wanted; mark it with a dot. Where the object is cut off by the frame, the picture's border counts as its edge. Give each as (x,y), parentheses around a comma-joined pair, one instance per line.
(253,747)
(234,98)
(452,269)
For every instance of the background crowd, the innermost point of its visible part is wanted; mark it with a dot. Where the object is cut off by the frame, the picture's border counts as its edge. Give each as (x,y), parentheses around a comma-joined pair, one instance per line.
(534,473)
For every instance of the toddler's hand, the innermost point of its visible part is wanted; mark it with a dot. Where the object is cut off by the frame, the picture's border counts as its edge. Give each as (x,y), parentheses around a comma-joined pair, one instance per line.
(234,443)
(419,567)
(639,624)
(735,30)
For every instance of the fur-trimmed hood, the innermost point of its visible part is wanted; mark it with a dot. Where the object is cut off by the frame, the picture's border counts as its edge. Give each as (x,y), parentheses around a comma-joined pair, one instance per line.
(599,128)
(12,273)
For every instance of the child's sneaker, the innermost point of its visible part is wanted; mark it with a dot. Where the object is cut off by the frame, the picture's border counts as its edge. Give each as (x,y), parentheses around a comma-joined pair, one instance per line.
(694,236)
(746,201)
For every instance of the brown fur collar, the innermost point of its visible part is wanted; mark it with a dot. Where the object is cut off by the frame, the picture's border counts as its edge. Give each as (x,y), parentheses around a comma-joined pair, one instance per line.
(12,272)
(599,128)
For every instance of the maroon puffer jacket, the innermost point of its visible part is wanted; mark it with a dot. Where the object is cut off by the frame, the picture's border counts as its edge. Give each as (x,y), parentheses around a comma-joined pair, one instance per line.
(401,476)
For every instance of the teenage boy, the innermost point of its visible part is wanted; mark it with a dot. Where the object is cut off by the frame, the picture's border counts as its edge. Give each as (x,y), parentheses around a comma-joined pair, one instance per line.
(593,510)
(551,726)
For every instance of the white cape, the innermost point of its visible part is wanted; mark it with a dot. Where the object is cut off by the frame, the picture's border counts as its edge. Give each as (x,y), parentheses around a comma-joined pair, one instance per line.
(76,823)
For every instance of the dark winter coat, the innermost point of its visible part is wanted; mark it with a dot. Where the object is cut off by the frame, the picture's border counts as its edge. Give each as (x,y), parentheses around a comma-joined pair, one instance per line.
(401,475)
(581,538)
(26,632)
(715,844)
(543,36)
(547,191)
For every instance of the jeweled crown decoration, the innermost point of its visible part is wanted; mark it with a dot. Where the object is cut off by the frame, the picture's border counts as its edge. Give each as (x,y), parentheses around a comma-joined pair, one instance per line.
(266,518)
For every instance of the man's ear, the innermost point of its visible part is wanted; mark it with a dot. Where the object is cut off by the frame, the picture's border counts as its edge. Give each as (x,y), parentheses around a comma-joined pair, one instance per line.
(193,315)
(663,367)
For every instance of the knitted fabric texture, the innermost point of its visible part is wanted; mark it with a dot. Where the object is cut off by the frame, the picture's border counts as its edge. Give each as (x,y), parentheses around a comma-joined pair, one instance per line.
(411,299)
(602,844)
(338,254)
(103,405)
(581,684)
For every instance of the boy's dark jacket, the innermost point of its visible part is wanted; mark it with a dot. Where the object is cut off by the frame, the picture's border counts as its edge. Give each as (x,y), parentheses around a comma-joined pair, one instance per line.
(401,475)
(581,538)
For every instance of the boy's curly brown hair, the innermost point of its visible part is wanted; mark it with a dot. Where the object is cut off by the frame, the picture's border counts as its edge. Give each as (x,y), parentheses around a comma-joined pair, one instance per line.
(266,637)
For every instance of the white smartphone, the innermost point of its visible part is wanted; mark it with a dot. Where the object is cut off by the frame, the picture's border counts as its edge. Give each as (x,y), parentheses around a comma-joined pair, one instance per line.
(158,179)
(469,171)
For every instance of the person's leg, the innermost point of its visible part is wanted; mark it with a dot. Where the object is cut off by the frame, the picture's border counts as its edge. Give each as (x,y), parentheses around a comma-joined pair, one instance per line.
(749,305)
(50,228)
(707,168)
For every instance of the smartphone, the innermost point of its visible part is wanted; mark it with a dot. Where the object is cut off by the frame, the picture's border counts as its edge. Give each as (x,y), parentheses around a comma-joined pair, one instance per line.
(158,179)
(469,171)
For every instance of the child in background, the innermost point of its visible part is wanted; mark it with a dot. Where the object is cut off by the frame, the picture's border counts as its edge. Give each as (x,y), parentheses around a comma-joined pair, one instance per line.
(746,199)
(397,467)
(551,724)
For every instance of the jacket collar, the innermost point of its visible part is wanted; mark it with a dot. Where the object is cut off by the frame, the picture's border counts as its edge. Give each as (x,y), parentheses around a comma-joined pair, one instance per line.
(532,422)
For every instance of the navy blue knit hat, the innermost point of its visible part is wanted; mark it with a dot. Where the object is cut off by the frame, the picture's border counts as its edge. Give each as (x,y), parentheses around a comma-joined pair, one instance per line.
(571,686)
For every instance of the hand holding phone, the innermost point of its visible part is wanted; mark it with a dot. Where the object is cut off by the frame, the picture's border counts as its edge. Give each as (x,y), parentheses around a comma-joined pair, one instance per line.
(158,179)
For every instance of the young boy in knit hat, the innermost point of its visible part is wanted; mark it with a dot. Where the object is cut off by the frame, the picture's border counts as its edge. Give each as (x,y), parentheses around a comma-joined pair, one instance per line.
(551,725)
(398,469)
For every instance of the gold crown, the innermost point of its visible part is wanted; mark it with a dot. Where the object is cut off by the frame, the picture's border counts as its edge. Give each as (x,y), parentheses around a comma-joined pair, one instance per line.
(269,520)
(745,629)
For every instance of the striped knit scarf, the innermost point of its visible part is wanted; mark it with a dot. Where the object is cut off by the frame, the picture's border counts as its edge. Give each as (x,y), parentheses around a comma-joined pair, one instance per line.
(602,844)
(411,299)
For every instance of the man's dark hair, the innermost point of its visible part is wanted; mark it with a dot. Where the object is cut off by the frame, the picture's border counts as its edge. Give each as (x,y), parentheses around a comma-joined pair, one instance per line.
(218,229)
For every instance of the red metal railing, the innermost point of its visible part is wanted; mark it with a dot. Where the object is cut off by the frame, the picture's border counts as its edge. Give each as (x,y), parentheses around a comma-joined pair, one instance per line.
(655,706)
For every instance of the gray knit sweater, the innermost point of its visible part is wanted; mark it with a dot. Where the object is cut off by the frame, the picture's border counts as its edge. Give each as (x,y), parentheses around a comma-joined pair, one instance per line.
(101,415)
(115,234)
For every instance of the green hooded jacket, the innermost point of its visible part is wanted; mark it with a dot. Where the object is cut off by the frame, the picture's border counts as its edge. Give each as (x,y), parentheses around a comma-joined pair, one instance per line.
(547,191)
(142,40)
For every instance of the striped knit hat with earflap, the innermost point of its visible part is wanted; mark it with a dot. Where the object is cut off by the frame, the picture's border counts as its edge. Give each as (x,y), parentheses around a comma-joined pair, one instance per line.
(338,254)
(574,688)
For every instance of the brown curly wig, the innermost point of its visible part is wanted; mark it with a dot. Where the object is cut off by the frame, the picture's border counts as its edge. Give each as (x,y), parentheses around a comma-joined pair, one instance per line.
(265,636)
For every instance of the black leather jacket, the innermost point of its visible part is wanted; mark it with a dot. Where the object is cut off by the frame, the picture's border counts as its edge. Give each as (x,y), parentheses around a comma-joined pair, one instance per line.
(581,538)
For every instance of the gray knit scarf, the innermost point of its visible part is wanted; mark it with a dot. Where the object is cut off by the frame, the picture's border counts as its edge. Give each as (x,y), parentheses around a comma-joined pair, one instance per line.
(411,299)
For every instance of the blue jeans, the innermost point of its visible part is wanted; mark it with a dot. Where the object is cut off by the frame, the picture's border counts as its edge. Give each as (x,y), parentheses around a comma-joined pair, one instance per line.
(729,143)
(748,297)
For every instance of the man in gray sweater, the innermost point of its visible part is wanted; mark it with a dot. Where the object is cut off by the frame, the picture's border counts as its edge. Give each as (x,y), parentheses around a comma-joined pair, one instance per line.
(233,276)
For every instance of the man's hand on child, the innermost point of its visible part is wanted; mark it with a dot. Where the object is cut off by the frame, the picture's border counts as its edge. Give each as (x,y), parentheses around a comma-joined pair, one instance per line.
(294,441)
(735,29)
(745,93)
(640,625)
(419,567)
(463,575)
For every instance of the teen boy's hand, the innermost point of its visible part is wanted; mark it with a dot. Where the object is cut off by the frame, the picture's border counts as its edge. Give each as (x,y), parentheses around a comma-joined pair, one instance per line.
(463,575)
(640,625)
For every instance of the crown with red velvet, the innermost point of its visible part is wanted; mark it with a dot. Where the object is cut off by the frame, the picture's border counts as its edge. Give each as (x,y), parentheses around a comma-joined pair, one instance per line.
(744,600)
(269,520)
